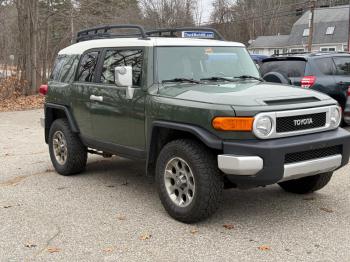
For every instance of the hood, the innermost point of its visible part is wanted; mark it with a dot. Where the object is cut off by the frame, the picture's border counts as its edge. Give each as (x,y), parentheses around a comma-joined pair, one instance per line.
(242,93)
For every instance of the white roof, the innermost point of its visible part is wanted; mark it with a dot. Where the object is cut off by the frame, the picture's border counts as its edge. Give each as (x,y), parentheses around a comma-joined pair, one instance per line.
(81,47)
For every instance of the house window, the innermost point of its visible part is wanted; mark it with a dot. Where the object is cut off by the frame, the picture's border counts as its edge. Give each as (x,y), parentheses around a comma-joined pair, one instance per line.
(328,49)
(276,51)
(297,50)
(330,30)
(306,32)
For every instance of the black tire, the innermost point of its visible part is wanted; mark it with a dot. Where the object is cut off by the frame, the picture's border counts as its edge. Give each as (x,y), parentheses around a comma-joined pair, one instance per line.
(307,184)
(76,151)
(208,180)
(276,77)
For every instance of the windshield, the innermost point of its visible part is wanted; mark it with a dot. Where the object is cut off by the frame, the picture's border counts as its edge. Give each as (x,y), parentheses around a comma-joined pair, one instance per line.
(203,62)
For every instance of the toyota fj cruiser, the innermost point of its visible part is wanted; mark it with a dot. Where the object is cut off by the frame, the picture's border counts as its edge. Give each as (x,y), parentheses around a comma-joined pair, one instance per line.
(193,107)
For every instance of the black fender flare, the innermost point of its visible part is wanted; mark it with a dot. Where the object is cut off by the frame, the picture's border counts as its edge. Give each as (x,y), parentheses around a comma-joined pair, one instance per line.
(207,138)
(203,135)
(50,117)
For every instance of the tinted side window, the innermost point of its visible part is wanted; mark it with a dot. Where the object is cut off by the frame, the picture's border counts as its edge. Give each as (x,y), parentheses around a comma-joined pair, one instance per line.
(116,58)
(59,62)
(288,68)
(343,65)
(87,67)
(68,69)
(325,65)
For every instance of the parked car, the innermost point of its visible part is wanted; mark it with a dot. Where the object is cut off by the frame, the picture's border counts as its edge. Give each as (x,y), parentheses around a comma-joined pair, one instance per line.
(194,110)
(258,58)
(346,113)
(328,73)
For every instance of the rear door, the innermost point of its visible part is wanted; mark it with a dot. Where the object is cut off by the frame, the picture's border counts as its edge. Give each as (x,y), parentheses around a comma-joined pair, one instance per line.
(323,68)
(80,91)
(292,68)
(342,77)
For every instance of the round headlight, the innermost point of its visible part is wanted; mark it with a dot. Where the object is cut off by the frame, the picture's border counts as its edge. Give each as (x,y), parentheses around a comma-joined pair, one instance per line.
(263,126)
(335,116)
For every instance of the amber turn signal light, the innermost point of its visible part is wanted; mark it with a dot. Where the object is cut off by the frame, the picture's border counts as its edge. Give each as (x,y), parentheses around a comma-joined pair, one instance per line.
(233,123)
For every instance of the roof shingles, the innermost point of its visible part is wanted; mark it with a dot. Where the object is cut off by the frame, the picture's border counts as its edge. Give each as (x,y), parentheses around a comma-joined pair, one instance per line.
(324,17)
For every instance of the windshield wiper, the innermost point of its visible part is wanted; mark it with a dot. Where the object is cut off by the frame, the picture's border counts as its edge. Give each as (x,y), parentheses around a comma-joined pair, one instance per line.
(217,78)
(249,77)
(181,80)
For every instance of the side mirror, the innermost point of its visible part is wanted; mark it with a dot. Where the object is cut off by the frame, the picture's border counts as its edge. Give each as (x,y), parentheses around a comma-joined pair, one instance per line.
(123,78)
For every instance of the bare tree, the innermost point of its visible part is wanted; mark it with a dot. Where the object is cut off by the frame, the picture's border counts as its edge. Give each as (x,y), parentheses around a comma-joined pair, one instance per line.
(27,24)
(168,13)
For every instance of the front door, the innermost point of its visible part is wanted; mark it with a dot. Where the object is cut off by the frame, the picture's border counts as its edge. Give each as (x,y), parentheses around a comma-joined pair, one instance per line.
(117,121)
(342,77)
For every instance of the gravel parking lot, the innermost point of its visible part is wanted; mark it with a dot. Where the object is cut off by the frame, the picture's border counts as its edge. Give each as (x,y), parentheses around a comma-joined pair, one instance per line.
(112,213)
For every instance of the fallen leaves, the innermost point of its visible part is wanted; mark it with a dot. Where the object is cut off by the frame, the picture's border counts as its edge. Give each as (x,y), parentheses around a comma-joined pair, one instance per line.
(145,236)
(194,231)
(108,249)
(264,248)
(326,210)
(22,103)
(229,226)
(53,249)
(121,217)
(30,245)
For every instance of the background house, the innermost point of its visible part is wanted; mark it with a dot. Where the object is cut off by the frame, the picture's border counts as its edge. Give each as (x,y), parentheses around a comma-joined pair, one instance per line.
(269,45)
(330,34)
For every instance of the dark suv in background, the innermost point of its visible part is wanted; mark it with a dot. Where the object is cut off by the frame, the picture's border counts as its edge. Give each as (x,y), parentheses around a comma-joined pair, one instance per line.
(325,72)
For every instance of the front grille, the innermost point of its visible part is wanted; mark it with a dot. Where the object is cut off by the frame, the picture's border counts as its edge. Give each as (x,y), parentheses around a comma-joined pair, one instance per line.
(300,122)
(312,154)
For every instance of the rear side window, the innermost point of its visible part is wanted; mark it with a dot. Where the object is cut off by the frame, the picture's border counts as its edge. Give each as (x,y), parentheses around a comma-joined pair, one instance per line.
(325,65)
(343,65)
(64,68)
(68,69)
(123,57)
(86,71)
(288,68)
(59,62)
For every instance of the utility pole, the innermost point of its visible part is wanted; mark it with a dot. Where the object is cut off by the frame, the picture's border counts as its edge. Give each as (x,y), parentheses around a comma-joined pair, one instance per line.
(311,24)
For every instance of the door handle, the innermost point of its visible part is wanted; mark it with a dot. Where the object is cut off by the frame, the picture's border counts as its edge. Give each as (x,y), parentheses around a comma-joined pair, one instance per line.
(96,98)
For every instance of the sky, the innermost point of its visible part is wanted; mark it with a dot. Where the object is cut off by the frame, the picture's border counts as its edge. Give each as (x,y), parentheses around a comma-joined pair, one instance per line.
(207,8)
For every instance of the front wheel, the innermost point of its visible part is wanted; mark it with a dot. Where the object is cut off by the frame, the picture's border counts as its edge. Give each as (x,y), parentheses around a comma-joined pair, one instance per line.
(189,183)
(307,184)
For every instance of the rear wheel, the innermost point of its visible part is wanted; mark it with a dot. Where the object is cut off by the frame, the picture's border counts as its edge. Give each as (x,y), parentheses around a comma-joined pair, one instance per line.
(307,184)
(189,183)
(68,154)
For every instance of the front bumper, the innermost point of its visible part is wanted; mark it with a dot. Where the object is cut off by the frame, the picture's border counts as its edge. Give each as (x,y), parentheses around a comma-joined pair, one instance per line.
(346,113)
(258,163)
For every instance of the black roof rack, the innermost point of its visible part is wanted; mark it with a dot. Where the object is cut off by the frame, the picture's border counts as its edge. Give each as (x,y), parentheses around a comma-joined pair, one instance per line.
(104,32)
(170,32)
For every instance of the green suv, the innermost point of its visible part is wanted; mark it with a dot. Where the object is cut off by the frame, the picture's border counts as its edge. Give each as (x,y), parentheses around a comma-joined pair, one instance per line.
(194,108)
